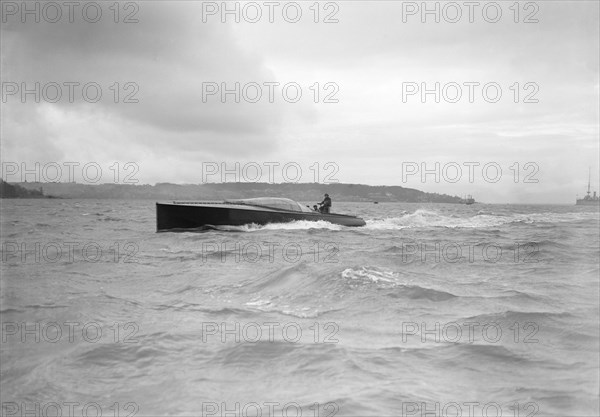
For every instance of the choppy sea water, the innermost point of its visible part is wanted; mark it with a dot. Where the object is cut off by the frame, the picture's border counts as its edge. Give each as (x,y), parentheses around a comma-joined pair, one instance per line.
(446,309)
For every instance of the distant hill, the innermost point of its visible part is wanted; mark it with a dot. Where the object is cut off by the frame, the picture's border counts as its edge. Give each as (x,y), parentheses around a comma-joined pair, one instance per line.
(222,191)
(16,191)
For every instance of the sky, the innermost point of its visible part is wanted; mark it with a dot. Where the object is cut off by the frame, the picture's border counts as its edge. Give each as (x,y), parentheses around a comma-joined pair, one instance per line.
(181,92)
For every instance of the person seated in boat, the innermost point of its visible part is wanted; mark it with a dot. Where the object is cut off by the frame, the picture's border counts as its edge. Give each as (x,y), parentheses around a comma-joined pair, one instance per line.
(315,208)
(325,205)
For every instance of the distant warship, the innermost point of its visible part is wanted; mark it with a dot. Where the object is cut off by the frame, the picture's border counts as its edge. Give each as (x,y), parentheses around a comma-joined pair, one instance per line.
(588,200)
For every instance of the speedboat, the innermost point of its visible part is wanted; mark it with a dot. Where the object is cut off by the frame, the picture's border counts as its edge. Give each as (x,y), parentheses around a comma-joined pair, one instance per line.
(192,215)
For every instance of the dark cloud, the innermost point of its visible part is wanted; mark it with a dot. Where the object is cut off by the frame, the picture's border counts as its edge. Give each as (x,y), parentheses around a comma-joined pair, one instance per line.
(168,56)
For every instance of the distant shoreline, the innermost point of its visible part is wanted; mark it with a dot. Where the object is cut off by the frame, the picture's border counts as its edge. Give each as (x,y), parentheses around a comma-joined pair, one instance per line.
(222,191)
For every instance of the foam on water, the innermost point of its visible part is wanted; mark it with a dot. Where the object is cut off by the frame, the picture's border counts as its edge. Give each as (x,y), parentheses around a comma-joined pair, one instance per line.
(296,225)
(372,274)
(427,218)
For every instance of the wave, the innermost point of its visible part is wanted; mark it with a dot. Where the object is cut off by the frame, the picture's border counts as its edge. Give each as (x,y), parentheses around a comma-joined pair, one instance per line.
(386,279)
(11,310)
(483,353)
(41,306)
(181,306)
(107,355)
(523,317)
(427,218)
(112,219)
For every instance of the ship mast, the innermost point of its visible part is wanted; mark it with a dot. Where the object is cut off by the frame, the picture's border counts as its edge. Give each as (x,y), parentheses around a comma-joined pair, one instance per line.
(589,177)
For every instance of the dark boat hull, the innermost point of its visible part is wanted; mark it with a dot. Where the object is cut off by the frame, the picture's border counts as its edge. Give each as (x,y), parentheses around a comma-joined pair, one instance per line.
(183,216)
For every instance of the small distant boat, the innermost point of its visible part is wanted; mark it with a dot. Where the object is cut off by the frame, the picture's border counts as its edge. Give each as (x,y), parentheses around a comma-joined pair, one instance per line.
(375,202)
(468,200)
(192,215)
(588,200)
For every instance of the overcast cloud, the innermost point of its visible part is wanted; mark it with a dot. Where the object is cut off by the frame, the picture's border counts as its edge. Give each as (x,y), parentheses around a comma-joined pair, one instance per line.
(368,54)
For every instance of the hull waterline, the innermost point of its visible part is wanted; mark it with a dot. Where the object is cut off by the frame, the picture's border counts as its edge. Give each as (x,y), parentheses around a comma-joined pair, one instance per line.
(587,203)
